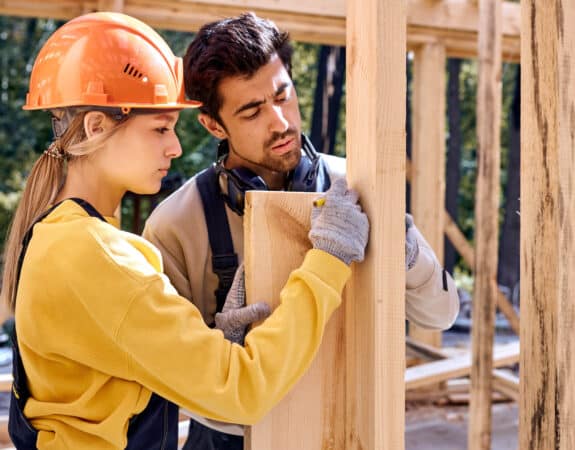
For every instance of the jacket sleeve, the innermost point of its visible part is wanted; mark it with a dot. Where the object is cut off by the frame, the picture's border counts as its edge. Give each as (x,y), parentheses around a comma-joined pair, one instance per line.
(172,352)
(172,256)
(431,295)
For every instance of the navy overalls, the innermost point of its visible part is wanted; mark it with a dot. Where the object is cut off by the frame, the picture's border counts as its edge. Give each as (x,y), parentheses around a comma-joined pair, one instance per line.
(155,428)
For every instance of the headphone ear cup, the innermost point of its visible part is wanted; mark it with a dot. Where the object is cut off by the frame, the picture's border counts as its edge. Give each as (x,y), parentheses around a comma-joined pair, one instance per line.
(237,182)
(248,180)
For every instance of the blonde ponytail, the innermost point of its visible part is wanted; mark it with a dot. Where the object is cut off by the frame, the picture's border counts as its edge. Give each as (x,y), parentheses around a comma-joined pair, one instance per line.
(42,187)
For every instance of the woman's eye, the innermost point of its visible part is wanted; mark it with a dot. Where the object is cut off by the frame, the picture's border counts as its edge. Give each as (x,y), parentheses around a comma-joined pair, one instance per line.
(162,130)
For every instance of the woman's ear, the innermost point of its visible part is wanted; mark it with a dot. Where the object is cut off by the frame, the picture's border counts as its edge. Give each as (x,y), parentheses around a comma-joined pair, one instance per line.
(95,123)
(213,126)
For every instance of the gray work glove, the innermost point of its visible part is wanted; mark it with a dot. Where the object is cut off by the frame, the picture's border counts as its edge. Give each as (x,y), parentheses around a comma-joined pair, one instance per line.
(235,315)
(339,227)
(411,245)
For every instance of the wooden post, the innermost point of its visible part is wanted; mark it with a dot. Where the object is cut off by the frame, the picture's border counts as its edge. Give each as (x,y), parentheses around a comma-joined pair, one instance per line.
(375,303)
(547,408)
(312,415)
(485,290)
(428,154)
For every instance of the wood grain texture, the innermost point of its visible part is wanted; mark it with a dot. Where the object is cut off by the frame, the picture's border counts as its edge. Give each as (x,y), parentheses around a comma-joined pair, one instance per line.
(428,157)
(312,415)
(111,5)
(485,292)
(547,404)
(375,304)
(453,23)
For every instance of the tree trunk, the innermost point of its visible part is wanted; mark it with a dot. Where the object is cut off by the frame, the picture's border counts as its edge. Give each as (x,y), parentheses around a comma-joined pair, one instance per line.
(327,100)
(508,271)
(453,162)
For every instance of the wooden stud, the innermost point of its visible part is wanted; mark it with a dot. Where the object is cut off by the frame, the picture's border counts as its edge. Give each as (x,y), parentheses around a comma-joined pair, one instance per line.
(486,223)
(547,408)
(428,157)
(375,300)
(312,415)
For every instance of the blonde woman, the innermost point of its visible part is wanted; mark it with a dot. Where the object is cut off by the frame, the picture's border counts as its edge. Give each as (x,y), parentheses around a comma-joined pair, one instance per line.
(105,348)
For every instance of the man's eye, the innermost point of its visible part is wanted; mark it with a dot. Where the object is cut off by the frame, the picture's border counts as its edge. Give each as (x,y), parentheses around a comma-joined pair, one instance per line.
(253,115)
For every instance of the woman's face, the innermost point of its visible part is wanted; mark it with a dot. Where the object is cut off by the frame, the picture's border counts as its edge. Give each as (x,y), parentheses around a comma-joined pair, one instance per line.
(139,154)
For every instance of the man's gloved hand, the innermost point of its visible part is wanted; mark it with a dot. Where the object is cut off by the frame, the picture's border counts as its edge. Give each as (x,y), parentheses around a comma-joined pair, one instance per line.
(235,315)
(339,227)
(411,245)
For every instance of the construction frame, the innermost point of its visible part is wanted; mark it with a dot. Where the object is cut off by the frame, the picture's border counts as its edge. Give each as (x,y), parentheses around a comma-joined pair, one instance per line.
(377,34)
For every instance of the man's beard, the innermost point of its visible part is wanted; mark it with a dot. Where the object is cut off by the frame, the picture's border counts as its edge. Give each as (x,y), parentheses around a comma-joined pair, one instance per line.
(277,163)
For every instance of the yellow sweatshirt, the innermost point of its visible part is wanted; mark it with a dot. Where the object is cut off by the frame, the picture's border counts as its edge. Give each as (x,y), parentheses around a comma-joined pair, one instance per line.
(100,328)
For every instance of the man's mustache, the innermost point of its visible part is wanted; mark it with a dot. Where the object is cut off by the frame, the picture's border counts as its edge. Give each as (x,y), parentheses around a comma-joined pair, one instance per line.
(275,137)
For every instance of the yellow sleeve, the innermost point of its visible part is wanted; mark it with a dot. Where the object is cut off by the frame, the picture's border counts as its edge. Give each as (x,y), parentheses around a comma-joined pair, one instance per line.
(173,353)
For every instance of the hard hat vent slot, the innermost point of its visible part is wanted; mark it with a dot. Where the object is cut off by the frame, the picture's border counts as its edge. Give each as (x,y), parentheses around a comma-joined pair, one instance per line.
(132,71)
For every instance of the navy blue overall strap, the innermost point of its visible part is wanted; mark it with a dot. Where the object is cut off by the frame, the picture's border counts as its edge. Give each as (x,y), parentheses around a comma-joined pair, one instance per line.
(21,431)
(156,427)
(24,393)
(224,258)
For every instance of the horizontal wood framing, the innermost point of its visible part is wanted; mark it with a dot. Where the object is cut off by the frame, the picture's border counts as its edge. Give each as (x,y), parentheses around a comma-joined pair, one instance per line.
(451,22)
(457,366)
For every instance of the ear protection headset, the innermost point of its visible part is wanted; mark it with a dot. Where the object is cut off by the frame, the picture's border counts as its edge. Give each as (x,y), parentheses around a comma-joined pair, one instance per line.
(306,177)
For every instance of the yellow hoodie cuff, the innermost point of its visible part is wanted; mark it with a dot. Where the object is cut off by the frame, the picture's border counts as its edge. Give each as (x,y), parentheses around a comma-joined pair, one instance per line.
(328,268)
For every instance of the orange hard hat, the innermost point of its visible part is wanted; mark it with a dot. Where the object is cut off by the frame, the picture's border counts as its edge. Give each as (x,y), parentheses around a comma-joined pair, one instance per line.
(107,60)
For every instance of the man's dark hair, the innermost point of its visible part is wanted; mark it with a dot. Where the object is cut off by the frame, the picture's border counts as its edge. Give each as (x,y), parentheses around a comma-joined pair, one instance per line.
(237,46)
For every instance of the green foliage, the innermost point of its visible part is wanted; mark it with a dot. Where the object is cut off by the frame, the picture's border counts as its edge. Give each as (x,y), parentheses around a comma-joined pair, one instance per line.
(24,135)
(199,148)
(468,97)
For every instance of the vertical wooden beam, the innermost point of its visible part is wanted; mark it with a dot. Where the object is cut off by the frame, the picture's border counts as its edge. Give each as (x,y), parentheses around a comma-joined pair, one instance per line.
(375,303)
(547,407)
(428,156)
(486,222)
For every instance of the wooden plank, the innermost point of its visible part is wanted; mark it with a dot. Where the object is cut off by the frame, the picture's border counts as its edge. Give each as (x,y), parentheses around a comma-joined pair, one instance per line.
(424,351)
(506,383)
(428,157)
(375,300)
(450,22)
(459,241)
(457,366)
(486,223)
(312,415)
(334,8)
(111,5)
(547,407)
